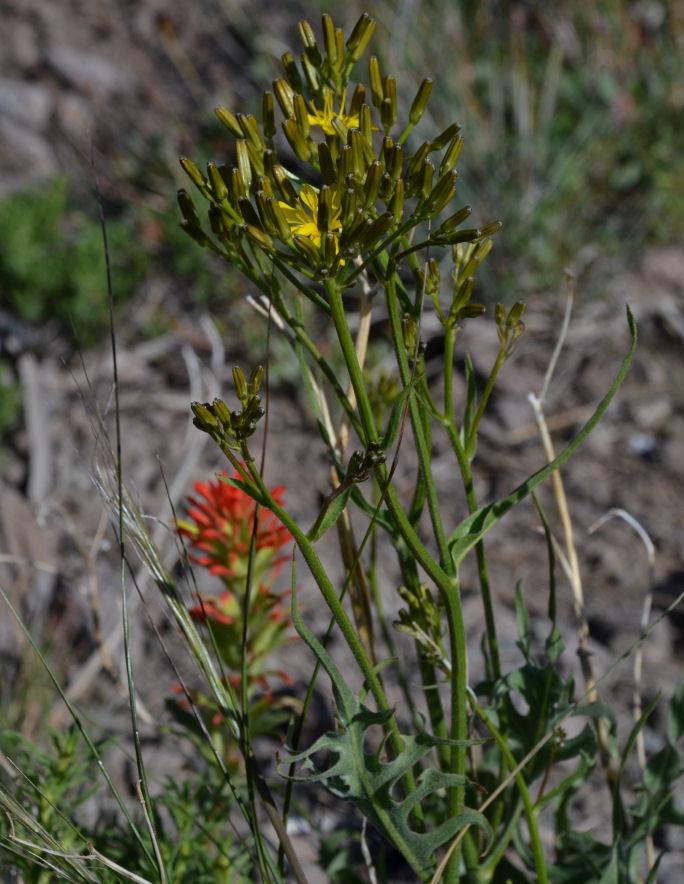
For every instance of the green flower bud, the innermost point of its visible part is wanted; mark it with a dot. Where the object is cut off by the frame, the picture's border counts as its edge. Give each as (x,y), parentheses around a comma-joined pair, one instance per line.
(243,163)
(302,116)
(195,175)
(453,152)
(204,418)
(308,249)
(372,185)
(292,73)
(297,143)
(395,162)
(329,39)
(311,74)
(325,163)
(421,100)
(285,95)
(309,41)
(265,217)
(340,129)
(360,36)
(237,185)
(255,378)
(285,185)
(248,213)
(187,207)
(218,185)
(229,120)
(492,228)
(349,206)
(358,160)
(397,205)
(357,100)
(375,81)
(259,236)
(442,193)
(268,115)
(198,235)
(428,172)
(325,208)
(330,248)
(240,385)
(445,137)
(390,95)
(252,133)
(366,124)
(418,159)
(278,220)
(453,221)
(375,230)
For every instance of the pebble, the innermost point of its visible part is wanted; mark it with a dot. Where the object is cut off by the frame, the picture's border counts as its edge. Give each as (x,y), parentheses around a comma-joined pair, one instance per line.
(90,74)
(28,103)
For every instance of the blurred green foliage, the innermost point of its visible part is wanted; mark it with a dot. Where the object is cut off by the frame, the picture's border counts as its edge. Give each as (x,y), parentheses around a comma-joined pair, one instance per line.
(52,263)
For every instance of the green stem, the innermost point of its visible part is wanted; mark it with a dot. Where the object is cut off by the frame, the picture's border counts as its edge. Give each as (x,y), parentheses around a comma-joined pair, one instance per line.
(528,804)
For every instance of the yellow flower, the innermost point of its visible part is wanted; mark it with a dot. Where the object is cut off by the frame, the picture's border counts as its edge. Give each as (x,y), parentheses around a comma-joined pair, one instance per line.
(324,118)
(303,217)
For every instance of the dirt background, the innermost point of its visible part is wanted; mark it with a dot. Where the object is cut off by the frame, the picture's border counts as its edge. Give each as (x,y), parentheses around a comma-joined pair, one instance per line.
(81,80)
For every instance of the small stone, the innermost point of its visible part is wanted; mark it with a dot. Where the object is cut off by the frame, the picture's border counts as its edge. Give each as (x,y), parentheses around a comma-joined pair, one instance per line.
(27,103)
(89,73)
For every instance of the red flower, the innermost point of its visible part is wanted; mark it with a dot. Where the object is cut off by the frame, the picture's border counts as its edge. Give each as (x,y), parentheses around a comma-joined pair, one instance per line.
(221,529)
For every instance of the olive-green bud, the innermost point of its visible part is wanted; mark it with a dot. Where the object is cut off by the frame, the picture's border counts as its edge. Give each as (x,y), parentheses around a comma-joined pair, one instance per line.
(366,124)
(453,221)
(292,73)
(427,173)
(302,116)
(421,100)
(395,162)
(309,41)
(349,205)
(387,114)
(278,221)
(222,413)
(340,129)
(373,182)
(218,222)
(229,120)
(358,160)
(330,248)
(468,235)
(311,74)
(268,115)
(445,137)
(353,230)
(285,95)
(329,39)
(187,207)
(375,81)
(492,228)
(237,184)
(442,193)
(325,208)
(358,40)
(256,377)
(243,163)
(266,219)
(297,143)
(259,236)
(204,418)
(375,230)
(325,163)
(307,248)
(500,317)
(357,100)
(285,185)
(397,205)
(194,175)
(248,213)
(218,185)
(251,129)
(240,385)
(389,89)
(453,152)
(418,159)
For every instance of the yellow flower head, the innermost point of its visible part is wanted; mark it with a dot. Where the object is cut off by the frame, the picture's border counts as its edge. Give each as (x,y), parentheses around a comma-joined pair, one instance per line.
(303,217)
(324,118)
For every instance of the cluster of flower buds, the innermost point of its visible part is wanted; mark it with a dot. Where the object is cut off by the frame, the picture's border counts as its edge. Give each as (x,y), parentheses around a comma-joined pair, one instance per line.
(231,429)
(364,192)
(509,324)
(423,620)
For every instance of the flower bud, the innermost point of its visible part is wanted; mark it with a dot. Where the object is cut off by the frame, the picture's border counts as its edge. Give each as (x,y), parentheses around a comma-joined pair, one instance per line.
(418,159)
(397,204)
(285,185)
(259,236)
(218,185)
(251,129)
(195,175)
(375,81)
(285,95)
(309,41)
(292,72)
(308,249)
(325,162)
(240,385)
(243,163)
(311,74)
(187,207)
(445,137)
(297,143)
(372,185)
(357,100)
(421,100)
(389,111)
(360,36)
(329,39)
(248,213)
(453,221)
(453,152)
(229,120)
(302,116)
(268,115)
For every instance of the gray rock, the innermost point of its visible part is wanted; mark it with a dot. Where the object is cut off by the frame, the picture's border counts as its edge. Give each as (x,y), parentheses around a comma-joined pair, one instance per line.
(24,157)
(27,103)
(89,73)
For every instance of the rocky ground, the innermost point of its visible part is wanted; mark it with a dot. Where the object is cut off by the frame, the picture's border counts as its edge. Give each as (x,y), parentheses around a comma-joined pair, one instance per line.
(74,79)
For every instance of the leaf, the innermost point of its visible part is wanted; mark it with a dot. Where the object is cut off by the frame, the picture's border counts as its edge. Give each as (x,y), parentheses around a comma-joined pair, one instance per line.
(474,528)
(372,784)
(330,512)
(675,714)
